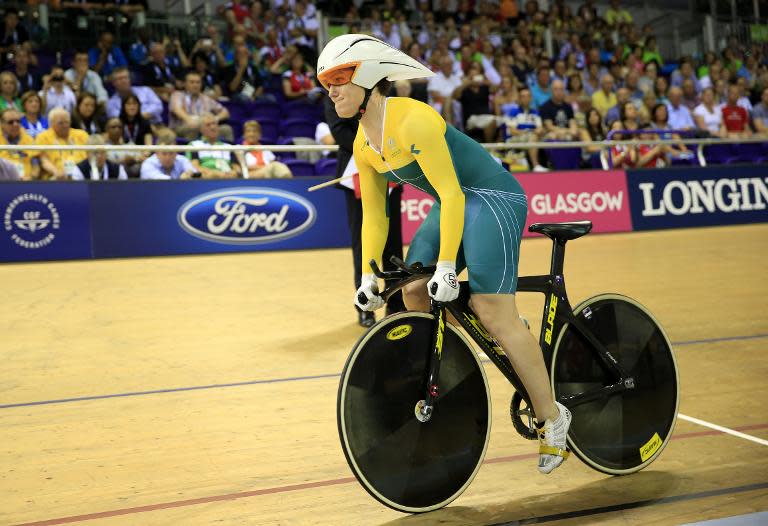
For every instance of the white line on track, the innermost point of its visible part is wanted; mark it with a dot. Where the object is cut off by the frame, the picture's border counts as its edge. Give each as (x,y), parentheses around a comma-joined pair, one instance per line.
(723,429)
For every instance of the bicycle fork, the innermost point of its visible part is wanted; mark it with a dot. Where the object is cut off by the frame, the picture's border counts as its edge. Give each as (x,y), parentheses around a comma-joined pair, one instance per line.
(425,406)
(469,320)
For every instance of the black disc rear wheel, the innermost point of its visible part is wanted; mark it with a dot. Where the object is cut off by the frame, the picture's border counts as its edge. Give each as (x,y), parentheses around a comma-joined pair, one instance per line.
(406,464)
(622,432)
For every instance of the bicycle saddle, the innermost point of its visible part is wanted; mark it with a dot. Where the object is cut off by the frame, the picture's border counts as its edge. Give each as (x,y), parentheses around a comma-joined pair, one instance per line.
(562,231)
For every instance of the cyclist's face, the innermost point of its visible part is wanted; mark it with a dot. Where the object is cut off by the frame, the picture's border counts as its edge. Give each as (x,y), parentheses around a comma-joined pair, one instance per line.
(347,99)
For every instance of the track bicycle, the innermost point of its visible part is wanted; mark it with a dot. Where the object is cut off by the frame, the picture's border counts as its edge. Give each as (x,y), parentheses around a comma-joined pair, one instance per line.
(414,409)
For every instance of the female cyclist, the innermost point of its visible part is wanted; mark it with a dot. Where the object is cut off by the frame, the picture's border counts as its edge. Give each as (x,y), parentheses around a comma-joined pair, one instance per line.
(476,221)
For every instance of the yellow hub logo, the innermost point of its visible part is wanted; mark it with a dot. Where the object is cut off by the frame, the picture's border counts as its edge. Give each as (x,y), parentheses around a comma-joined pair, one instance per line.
(399,332)
(650,447)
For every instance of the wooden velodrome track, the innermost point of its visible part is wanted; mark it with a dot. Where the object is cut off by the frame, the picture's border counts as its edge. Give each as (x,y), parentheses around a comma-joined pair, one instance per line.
(202,390)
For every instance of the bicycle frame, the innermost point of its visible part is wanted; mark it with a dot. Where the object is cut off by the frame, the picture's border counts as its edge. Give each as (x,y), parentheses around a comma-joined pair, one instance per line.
(556,315)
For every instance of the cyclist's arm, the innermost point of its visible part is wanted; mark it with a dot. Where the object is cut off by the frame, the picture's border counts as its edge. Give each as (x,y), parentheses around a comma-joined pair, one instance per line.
(424,132)
(373,193)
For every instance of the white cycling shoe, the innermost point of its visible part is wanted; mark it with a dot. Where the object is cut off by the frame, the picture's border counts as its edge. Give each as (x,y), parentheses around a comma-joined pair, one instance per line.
(552,440)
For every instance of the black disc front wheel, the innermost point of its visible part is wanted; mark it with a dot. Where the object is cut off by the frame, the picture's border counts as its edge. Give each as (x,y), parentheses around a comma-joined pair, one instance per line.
(406,464)
(622,432)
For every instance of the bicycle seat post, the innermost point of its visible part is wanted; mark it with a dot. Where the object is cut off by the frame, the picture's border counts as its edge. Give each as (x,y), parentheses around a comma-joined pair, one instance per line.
(560,234)
(558,257)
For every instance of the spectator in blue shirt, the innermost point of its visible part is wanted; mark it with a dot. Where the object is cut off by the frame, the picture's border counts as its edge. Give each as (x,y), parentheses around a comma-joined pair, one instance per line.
(614,113)
(151,106)
(106,57)
(139,50)
(680,117)
(749,70)
(167,165)
(540,90)
(685,71)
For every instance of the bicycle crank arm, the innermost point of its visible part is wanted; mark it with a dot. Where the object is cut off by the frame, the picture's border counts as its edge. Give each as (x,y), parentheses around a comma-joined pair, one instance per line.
(603,392)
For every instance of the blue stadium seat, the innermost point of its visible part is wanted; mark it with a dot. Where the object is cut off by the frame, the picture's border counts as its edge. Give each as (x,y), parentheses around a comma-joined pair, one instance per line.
(165,115)
(718,153)
(286,155)
(45,61)
(325,166)
(303,110)
(274,82)
(269,132)
(685,161)
(274,86)
(564,158)
(747,153)
(265,110)
(238,111)
(66,58)
(237,130)
(300,168)
(298,127)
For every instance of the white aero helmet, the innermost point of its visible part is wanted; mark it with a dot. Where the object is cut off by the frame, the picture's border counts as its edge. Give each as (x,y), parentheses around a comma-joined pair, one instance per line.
(365,60)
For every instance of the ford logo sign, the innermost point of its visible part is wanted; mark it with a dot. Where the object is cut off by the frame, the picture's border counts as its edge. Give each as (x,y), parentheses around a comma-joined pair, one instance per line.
(245,216)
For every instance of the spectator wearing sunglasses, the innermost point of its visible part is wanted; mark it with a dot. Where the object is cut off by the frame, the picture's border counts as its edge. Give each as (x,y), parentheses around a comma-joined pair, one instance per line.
(25,163)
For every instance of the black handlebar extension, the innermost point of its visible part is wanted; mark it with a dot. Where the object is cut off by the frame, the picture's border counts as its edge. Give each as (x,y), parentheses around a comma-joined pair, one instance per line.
(397,278)
(403,272)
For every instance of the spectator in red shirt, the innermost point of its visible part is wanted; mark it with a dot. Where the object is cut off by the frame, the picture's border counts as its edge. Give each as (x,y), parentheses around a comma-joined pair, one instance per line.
(624,155)
(299,82)
(651,155)
(735,118)
(236,12)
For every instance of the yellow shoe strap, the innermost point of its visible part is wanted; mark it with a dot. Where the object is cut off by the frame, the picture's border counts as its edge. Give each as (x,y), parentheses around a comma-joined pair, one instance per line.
(551,450)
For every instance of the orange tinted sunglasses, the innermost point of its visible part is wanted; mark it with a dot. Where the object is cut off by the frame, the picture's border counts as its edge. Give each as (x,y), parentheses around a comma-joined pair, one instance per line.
(338,75)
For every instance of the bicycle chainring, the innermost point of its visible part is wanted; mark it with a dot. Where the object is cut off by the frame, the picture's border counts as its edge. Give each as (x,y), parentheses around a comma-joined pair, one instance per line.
(522,417)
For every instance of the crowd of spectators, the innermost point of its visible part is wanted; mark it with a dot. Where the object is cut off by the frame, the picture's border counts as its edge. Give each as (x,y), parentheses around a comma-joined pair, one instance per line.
(493,80)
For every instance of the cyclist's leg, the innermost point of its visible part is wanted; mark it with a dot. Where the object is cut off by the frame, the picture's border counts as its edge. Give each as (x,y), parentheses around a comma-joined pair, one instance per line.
(491,247)
(496,311)
(415,295)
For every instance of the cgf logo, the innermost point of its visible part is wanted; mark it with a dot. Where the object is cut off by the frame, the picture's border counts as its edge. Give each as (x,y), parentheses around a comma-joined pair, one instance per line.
(31,221)
(550,319)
